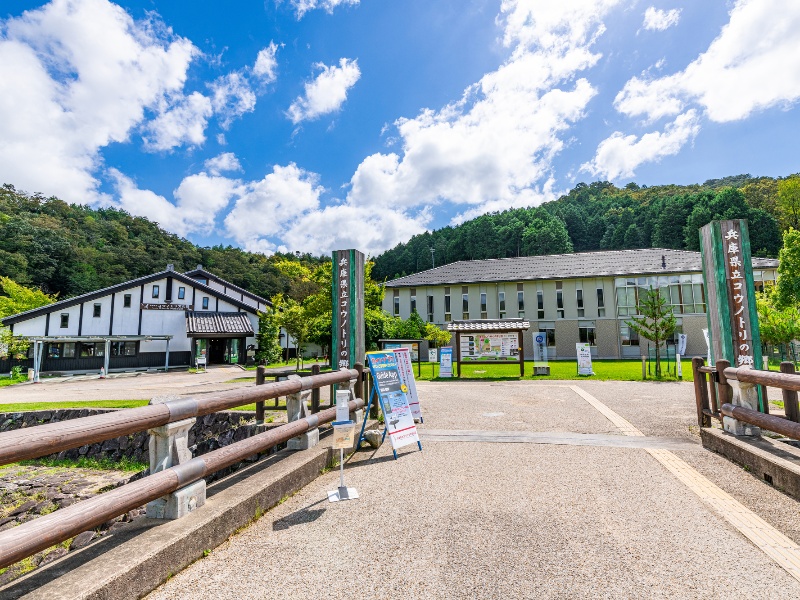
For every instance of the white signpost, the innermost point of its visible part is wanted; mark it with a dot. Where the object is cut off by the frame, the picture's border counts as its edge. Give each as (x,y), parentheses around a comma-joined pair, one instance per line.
(343,438)
(404,366)
(584,359)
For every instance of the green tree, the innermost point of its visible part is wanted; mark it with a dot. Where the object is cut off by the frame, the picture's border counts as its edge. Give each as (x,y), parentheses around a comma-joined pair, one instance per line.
(292,316)
(269,329)
(656,323)
(545,234)
(789,201)
(437,337)
(777,325)
(788,286)
(17,298)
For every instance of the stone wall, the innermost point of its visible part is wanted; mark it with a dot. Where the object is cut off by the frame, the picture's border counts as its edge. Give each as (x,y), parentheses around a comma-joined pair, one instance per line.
(208,433)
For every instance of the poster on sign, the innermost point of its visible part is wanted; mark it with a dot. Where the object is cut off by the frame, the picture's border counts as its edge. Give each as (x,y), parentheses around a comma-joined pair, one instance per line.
(540,349)
(485,347)
(404,366)
(393,400)
(584,359)
(432,355)
(682,344)
(446,362)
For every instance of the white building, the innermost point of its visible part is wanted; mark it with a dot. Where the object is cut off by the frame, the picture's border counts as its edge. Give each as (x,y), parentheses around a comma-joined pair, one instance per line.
(194,313)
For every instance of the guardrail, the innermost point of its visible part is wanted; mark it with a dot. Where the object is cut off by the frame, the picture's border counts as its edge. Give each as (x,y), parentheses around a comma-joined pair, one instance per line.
(713,394)
(32,442)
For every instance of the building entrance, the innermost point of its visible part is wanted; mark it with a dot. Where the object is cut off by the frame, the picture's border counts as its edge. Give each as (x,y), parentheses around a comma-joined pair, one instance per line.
(220,351)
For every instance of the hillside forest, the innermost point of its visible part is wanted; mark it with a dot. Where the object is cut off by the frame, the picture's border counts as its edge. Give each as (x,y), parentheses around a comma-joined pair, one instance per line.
(601,216)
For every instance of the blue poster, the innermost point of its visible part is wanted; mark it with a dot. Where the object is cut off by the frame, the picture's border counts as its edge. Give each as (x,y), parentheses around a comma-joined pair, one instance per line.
(446,362)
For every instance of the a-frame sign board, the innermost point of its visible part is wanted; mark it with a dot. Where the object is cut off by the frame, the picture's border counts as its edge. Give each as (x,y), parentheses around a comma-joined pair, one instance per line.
(388,390)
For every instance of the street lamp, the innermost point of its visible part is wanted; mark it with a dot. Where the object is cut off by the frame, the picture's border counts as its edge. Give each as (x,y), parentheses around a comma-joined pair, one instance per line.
(433,260)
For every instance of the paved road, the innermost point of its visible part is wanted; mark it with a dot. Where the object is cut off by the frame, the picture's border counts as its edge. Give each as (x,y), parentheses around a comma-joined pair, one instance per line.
(133,386)
(495,519)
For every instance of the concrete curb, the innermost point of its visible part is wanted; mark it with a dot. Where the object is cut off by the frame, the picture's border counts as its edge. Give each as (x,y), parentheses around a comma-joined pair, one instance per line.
(141,556)
(775,462)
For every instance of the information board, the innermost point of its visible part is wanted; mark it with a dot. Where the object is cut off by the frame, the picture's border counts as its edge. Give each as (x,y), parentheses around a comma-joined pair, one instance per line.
(412,347)
(404,366)
(446,361)
(488,347)
(394,403)
(584,359)
(432,355)
(540,348)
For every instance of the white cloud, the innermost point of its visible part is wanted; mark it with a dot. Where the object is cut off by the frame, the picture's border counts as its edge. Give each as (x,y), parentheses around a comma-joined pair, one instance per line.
(264,208)
(184,123)
(75,76)
(232,97)
(266,64)
(226,161)
(494,148)
(619,155)
(752,65)
(659,20)
(301,7)
(199,199)
(326,92)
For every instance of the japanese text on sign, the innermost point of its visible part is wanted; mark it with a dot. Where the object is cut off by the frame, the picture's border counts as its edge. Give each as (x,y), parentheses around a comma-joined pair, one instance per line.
(740,315)
(344,313)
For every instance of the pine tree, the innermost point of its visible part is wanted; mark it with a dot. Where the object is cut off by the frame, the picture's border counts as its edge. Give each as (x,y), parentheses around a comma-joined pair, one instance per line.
(656,323)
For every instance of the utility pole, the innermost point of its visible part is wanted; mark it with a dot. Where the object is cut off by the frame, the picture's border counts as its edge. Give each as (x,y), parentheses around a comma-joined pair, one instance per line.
(433,260)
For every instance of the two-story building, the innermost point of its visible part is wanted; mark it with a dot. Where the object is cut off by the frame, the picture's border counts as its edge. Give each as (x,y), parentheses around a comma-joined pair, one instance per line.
(164,318)
(581,297)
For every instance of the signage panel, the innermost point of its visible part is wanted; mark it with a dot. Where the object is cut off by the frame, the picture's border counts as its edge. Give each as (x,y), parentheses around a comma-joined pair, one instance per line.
(446,361)
(584,359)
(394,402)
(489,347)
(406,369)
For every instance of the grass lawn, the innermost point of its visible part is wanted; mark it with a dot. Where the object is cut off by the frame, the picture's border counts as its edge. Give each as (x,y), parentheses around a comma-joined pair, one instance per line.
(605,370)
(6,381)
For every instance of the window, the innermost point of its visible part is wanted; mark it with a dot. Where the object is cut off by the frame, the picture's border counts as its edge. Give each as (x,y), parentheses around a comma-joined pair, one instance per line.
(501,304)
(90,350)
(560,303)
(181,293)
(549,329)
(601,303)
(413,299)
(586,334)
(205,302)
(540,304)
(684,292)
(126,301)
(484,314)
(628,336)
(579,302)
(465,302)
(448,316)
(97,309)
(155,291)
(396,303)
(430,309)
(64,320)
(123,348)
(520,301)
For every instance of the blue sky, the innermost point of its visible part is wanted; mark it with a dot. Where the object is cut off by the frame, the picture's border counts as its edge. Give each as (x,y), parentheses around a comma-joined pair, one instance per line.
(319,124)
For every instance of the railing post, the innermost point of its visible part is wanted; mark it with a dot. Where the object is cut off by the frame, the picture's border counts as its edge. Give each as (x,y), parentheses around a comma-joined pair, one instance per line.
(314,392)
(360,381)
(700,392)
(738,393)
(260,403)
(724,392)
(296,409)
(790,397)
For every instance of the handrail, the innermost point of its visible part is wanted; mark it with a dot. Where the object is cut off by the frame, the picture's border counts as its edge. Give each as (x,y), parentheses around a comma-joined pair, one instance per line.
(768,422)
(42,440)
(783,381)
(45,531)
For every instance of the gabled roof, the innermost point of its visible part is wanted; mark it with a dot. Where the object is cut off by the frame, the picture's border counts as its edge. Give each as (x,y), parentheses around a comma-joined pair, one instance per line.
(133,283)
(208,275)
(225,323)
(607,263)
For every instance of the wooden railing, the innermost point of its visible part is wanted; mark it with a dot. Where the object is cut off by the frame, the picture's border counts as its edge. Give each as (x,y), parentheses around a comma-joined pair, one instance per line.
(714,395)
(32,442)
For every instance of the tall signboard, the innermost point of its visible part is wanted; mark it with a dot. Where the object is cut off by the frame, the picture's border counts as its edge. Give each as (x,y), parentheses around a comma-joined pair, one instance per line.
(347,343)
(730,293)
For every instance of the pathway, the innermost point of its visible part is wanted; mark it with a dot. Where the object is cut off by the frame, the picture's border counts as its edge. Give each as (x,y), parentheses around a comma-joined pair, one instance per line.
(524,490)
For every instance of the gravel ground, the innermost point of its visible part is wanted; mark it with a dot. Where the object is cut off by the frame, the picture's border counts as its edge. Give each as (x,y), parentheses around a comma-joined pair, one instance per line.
(479,520)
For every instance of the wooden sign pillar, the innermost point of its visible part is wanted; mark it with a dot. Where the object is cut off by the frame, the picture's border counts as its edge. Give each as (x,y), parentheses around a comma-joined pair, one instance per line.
(347,342)
(730,295)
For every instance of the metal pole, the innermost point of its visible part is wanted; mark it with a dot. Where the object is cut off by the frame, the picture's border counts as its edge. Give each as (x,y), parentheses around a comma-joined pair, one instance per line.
(166,365)
(107,356)
(341,467)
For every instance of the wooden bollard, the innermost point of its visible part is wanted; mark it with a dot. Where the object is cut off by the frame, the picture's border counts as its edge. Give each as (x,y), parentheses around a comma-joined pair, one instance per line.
(315,392)
(260,404)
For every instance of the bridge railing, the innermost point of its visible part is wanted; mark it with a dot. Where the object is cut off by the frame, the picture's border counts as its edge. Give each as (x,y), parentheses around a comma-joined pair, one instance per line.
(714,395)
(42,440)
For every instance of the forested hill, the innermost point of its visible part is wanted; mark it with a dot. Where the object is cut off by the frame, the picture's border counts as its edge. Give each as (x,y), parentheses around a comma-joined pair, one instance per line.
(69,250)
(600,216)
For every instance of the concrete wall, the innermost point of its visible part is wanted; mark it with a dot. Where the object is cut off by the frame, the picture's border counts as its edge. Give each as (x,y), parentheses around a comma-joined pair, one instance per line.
(607,331)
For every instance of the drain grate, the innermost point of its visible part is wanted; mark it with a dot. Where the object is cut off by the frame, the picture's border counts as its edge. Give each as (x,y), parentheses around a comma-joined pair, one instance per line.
(768,478)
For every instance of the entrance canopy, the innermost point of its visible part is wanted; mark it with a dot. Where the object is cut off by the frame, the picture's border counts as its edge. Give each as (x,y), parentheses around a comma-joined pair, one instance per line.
(203,324)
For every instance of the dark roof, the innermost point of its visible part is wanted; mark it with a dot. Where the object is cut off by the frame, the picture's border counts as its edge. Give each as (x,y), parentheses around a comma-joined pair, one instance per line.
(224,323)
(608,263)
(133,283)
(203,273)
(489,325)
